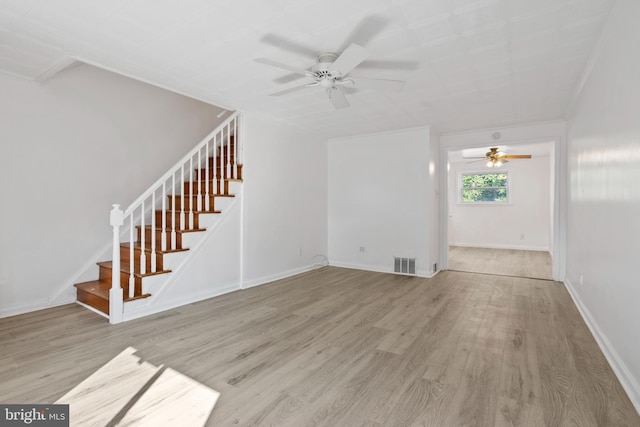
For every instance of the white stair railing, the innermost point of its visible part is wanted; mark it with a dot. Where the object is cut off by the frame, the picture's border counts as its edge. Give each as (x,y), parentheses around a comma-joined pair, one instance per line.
(148,210)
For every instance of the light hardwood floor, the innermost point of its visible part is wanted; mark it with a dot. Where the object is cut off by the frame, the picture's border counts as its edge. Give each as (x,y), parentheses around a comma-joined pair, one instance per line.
(338,347)
(502,262)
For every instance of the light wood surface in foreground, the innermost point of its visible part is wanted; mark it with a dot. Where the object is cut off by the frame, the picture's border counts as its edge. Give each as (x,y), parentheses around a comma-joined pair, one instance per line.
(337,347)
(502,262)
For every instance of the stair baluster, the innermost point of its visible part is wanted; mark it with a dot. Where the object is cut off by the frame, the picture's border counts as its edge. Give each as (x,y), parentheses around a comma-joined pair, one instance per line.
(206,174)
(228,174)
(191,193)
(153,232)
(199,204)
(163,239)
(182,215)
(143,256)
(132,279)
(173,211)
(235,151)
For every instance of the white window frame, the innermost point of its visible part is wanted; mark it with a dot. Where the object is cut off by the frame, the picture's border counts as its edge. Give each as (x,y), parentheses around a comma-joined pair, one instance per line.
(507,187)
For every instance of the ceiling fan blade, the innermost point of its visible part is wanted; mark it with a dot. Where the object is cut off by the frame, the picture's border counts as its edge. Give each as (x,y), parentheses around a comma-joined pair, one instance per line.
(350,58)
(516,156)
(285,44)
(284,66)
(366,30)
(288,78)
(337,98)
(377,84)
(293,89)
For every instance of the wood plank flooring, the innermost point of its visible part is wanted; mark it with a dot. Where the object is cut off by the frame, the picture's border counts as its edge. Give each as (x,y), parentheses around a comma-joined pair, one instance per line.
(338,347)
(501,262)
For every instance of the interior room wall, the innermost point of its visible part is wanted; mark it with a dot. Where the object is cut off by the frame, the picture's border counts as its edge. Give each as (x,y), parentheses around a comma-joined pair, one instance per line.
(523,223)
(71,147)
(285,200)
(379,197)
(434,200)
(603,231)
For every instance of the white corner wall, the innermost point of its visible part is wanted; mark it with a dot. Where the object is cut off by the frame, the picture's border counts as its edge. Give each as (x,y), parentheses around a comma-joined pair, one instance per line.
(380,194)
(285,200)
(71,147)
(603,234)
(434,201)
(523,223)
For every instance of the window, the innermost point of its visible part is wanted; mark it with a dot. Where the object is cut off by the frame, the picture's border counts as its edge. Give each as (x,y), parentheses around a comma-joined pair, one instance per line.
(484,188)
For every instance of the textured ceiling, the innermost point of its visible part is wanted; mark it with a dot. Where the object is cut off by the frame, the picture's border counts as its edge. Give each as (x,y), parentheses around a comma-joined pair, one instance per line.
(467,63)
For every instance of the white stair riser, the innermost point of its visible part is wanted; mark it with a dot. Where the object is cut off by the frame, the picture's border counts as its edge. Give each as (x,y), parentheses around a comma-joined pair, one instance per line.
(223,203)
(172,260)
(149,282)
(208,220)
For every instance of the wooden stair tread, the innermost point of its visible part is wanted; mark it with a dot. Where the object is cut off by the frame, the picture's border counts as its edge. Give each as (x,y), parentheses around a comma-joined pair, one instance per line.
(95,287)
(168,230)
(124,267)
(203,195)
(100,289)
(186,212)
(147,248)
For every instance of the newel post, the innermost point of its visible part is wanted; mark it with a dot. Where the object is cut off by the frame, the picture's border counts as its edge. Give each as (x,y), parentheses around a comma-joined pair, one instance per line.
(115,293)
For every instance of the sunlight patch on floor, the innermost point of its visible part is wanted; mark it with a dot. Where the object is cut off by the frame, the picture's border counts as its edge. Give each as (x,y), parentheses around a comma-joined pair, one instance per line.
(128,391)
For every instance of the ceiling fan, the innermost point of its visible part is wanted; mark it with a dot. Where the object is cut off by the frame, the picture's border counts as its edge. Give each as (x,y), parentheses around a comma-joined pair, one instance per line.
(496,158)
(331,71)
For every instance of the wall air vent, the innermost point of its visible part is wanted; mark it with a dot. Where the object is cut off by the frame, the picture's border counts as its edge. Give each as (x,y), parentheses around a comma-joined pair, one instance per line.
(404,265)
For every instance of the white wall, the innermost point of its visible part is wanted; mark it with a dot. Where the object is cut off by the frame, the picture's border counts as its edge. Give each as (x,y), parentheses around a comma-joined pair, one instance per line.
(523,223)
(526,134)
(603,233)
(285,200)
(379,199)
(434,199)
(71,147)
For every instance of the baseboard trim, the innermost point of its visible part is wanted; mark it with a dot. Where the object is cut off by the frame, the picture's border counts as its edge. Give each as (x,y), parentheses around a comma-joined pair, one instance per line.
(149,310)
(628,382)
(379,269)
(273,277)
(513,247)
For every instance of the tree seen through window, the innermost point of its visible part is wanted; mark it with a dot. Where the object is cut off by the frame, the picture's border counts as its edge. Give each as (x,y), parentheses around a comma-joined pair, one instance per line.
(484,188)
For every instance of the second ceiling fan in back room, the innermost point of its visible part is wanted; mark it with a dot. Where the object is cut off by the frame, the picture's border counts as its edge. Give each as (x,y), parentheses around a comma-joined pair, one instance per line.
(496,158)
(332,71)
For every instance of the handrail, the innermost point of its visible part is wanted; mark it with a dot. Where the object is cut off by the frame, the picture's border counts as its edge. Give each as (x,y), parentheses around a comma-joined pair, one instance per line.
(221,162)
(179,163)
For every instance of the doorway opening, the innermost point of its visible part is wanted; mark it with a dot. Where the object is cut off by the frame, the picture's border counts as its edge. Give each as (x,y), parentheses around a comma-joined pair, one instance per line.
(500,215)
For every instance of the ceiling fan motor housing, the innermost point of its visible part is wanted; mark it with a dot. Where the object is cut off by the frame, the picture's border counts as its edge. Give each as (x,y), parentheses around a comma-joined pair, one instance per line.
(322,74)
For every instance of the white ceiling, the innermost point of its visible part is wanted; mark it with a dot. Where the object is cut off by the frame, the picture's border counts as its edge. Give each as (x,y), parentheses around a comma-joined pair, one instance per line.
(468,63)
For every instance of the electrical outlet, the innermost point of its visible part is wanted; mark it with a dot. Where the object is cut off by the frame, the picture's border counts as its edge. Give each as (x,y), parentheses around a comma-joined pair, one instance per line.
(361,248)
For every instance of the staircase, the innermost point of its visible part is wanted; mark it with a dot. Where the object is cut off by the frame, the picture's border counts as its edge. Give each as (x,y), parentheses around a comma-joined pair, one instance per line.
(162,223)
